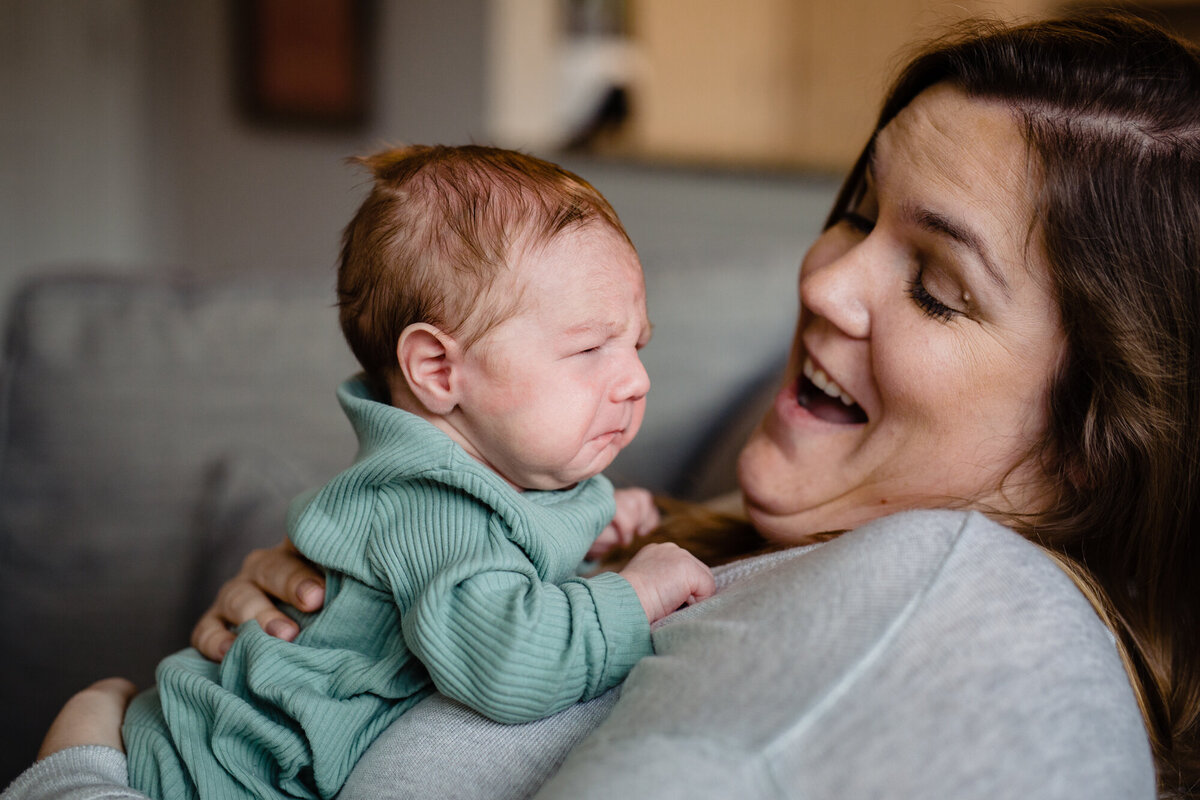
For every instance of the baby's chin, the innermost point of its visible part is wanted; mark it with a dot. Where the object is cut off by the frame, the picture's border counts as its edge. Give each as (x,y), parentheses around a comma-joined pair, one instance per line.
(570,475)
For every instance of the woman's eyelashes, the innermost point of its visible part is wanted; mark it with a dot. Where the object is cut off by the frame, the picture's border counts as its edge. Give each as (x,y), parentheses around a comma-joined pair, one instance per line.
(930,305)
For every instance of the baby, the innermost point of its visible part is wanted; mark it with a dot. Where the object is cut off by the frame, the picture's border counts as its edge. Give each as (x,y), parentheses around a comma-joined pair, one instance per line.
(497,308)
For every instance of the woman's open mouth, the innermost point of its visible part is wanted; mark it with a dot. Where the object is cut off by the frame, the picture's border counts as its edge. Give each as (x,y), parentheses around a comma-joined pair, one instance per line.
(825,400)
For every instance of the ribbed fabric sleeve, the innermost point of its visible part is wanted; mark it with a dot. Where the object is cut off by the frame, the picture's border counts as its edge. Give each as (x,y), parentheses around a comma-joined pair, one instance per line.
(438,574)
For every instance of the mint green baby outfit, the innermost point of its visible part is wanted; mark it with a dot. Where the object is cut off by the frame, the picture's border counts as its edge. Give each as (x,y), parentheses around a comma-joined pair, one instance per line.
(439,575)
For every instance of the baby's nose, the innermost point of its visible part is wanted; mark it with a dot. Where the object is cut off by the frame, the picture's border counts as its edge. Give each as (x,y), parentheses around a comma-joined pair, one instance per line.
(635,381)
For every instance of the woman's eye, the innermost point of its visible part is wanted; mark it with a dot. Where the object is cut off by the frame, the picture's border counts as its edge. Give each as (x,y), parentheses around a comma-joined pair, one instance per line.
(930,305)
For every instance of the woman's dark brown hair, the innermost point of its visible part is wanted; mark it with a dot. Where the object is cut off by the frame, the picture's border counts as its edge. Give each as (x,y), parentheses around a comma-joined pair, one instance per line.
(1110,108)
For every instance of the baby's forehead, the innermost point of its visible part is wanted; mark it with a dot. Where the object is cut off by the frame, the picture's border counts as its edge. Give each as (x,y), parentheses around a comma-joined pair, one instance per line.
(594,243)
(534,237)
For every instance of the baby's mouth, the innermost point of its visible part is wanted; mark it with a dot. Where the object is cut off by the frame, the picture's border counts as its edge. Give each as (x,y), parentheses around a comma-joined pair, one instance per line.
(825,400)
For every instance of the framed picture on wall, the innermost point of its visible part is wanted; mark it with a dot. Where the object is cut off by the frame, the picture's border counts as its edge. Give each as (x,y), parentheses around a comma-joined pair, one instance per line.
(303,63)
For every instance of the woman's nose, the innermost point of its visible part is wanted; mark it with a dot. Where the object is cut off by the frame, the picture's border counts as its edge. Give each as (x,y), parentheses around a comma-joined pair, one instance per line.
(836,284)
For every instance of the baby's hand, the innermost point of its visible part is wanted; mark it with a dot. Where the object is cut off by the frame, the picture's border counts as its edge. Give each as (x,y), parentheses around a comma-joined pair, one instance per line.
(665,576)
(636,516)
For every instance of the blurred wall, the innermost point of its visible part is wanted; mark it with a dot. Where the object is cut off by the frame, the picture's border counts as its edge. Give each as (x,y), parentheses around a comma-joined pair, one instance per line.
(120,141)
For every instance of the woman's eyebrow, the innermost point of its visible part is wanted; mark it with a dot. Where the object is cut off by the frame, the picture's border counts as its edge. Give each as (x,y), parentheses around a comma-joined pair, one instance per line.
(940,224)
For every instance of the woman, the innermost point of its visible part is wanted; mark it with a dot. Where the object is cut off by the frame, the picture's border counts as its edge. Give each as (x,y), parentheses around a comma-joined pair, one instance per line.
(1001,316)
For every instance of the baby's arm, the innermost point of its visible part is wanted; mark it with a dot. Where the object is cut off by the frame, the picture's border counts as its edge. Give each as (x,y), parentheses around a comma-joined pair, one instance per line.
(517,648)
(665,577)
(636,516)
(500,630)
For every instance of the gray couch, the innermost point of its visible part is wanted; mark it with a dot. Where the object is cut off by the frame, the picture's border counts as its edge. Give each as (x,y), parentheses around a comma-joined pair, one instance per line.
(153,428)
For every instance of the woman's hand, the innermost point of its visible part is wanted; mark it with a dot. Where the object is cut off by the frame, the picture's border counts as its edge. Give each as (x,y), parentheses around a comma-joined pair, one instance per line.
(278,572)
(93,716)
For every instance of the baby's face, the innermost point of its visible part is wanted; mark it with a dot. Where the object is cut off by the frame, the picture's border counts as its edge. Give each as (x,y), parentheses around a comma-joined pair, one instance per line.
(552,394)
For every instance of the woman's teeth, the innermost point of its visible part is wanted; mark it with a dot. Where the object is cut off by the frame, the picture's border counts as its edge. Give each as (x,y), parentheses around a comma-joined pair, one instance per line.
(825,383)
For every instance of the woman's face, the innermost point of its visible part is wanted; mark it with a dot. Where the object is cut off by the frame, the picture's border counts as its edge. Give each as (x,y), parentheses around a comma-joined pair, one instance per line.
(927,338)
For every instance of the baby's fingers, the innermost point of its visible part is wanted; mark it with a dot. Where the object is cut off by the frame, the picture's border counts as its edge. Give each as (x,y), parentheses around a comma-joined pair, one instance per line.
(606,541)
(636,514)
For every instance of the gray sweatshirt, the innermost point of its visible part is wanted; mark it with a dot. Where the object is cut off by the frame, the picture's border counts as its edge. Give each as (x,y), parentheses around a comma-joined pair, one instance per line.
(926,654)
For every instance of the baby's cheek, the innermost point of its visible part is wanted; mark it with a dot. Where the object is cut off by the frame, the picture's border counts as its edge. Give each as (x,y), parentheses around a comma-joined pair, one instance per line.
(553,429)
(639,414)
(513,396)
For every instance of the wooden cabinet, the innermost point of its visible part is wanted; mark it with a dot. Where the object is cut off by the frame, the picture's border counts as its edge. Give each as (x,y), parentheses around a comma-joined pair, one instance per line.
(775,82)
(766,83)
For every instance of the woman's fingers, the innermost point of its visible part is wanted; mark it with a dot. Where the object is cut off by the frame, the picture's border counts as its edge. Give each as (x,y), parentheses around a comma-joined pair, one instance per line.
(278,572)
(93,716)
(238,601)
(283,573)
(211,636)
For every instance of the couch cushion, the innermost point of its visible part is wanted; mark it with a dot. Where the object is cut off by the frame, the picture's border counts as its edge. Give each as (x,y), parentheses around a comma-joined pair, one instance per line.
(120,397)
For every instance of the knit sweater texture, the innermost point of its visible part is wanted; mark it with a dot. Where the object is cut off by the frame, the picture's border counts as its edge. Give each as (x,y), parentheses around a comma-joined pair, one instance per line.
(438,574)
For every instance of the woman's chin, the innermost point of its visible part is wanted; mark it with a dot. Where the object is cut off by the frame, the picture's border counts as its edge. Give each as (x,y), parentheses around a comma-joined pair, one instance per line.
(808,526)
(787,514)
(789,530)
(759,467)
(772,509)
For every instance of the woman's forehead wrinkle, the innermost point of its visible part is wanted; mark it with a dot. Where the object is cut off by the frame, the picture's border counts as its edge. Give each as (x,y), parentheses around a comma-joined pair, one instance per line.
(992,197)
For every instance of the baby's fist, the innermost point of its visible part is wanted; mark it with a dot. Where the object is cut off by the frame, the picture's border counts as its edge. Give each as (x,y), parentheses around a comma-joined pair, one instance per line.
(636,516)
(665,577)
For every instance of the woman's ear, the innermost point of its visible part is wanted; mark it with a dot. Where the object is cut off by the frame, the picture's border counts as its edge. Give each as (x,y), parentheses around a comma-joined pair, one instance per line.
(429,359)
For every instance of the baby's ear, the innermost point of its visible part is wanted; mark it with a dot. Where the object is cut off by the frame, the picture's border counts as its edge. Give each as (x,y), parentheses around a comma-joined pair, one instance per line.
(429,359)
